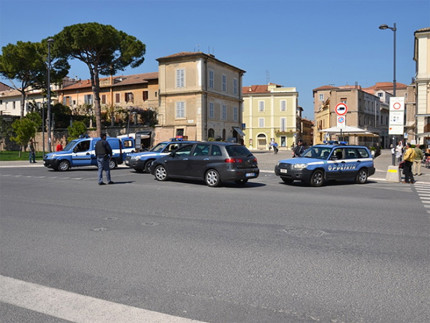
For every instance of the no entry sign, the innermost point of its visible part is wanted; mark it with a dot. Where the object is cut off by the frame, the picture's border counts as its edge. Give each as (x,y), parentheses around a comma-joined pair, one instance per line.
(341,109)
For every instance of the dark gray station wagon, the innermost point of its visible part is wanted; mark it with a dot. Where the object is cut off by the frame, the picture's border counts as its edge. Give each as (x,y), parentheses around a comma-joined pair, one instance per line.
(213,162)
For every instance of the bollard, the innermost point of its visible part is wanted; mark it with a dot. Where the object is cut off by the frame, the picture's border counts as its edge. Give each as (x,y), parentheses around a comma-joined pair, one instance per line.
(393,174)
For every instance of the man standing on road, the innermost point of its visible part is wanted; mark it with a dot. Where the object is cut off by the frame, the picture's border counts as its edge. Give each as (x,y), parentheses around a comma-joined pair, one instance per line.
(299,149)
(409,158)
(104,154)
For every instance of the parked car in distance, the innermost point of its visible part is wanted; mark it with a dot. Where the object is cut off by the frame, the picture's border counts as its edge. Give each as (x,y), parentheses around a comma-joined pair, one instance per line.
(321,163)
(141,161)
(213,162)
(81,152)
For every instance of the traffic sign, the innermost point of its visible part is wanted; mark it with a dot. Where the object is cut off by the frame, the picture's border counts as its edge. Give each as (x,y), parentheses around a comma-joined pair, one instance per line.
(341,109)
(397,104)
(341,121)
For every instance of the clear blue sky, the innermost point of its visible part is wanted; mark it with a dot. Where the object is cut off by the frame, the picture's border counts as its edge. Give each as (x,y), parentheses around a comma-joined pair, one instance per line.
(297,43)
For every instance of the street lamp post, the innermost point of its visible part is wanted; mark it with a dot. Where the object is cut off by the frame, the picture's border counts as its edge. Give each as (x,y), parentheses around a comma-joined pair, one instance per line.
(394,29)
(50,41)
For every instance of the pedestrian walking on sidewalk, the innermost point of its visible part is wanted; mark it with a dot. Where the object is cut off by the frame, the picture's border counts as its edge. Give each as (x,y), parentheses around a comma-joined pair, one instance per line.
(274,145)
(393,155)
(419,156)
(31,152)
(399,151)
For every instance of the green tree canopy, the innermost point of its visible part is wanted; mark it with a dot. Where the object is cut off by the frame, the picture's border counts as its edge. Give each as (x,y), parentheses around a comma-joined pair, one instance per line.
(36,118)
(103,49)
(26,63)
(77,129)
(25,129)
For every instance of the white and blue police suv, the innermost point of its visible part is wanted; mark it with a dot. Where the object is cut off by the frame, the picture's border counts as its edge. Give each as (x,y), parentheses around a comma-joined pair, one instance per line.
(321,163)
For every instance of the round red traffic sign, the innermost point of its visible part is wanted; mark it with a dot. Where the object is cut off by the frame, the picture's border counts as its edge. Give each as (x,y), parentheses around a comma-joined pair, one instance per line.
(397,105)
(341,109)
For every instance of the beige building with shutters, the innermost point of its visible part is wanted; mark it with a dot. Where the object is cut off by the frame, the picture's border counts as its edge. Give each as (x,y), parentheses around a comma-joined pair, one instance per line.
(200,98)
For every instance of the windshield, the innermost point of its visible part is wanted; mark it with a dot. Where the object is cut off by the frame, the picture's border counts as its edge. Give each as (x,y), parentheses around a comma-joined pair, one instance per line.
(317,152)
(70,145)
(159,148)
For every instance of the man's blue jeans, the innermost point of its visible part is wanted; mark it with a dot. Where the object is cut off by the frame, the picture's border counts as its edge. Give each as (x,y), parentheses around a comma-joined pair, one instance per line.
(103,165)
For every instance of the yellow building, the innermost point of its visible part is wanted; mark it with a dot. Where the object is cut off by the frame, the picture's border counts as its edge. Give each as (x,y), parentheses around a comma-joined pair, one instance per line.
(270,111)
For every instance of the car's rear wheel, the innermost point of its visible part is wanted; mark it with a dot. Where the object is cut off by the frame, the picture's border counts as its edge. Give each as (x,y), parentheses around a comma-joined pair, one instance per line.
(287,180)
(148,166)
(212,178)
(64,165)
(361,177)
(241,181)
(160,173)
(317,178)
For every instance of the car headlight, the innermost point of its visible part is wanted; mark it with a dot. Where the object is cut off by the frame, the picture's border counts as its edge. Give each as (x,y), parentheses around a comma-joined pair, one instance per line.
(299,166)
(134,158)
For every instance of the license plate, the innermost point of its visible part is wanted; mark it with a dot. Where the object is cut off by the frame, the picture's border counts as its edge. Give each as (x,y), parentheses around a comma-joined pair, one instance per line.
(250,174)
(283,170)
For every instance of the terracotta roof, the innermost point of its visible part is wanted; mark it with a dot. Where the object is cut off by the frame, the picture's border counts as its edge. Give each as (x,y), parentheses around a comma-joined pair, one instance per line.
(4,87)
(325,87)
(196,54)
(118,80)
(384,86)
(255,89)
(422,30)
(183,54)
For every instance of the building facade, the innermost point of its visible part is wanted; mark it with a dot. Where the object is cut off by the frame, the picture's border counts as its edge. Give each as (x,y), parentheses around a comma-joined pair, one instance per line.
(200,98)
(368,109)
(271,111)
(422,85)
(126,93)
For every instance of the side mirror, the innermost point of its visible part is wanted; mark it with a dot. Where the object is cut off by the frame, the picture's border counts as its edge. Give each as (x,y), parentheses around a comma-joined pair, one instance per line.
(172,154)
(75,150)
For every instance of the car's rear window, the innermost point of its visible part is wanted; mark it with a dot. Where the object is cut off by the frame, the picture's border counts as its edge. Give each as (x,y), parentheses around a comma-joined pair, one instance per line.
(363,153)
(237,150)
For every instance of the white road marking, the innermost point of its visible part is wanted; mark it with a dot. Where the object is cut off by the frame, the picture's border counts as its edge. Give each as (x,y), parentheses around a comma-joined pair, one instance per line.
(74,307)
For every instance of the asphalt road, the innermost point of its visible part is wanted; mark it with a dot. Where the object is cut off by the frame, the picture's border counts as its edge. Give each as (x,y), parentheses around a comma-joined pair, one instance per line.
(266,252)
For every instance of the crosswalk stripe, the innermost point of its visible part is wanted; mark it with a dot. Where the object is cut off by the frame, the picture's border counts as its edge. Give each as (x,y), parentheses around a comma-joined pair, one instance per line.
(74,307)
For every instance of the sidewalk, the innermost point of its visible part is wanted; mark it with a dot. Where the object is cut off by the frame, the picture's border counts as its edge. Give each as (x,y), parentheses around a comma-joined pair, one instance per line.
(267,161)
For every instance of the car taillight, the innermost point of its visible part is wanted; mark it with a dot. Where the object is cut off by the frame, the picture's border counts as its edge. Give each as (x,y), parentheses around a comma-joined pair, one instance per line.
(234,160)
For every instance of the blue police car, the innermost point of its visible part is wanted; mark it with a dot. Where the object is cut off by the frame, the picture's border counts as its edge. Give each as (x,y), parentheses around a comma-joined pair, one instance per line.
(321,163)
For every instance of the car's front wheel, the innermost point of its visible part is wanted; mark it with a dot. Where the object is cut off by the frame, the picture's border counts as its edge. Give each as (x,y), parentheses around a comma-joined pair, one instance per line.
(317,178)
(148,166)
(160,173)
(212,178)
(64,165)
(361,176)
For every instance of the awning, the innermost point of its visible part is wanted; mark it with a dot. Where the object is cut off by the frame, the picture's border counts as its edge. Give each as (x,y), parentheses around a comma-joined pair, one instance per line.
(239,131)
